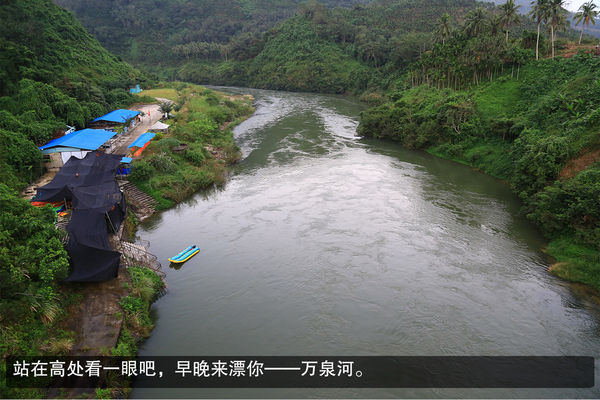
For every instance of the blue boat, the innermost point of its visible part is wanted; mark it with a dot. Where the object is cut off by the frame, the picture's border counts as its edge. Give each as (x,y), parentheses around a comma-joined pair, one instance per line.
(185,255)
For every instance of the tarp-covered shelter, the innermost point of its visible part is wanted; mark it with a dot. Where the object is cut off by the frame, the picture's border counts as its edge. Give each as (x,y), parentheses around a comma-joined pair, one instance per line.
(95,168)
(78,143)
(142,140)
(160,127)
(135,89)
(141,143)
(118,116)
(98,207)
(125,167)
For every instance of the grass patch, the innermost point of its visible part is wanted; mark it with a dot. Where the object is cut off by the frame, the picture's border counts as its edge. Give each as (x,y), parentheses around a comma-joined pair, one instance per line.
(167,93)
(146,286)
(32,337)
(498,99)
(143,98)
(488,156)
(197,150)
(576,262)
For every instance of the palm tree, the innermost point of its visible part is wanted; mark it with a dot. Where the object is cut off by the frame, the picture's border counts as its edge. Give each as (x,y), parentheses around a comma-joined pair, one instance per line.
(443,29)
(475,22)
(539,14)
(496,24)
(556,17)
(587,13)
(510,15)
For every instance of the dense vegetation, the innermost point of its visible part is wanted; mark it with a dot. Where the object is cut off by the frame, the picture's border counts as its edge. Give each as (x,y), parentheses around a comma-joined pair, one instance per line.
(357,49)
(319,49)
(52,73)
(197,149)
(144,31)
(32,262)
(463,86)
(365,47)
(537,128)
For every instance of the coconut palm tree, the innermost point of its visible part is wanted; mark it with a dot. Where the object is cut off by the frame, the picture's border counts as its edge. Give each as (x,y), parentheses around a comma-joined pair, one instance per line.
(539,14)
(556,17)
(443,28)
(476,21)
(587,13)
(509,15)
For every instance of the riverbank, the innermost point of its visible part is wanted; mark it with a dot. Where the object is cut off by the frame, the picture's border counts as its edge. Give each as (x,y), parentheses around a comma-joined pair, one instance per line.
(72,319)
(199,147)
(538,133)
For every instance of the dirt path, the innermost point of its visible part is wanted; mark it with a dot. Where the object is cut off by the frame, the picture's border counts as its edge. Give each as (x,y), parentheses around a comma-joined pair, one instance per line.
(578,164)
(30,191)
(97,318)
(142,127)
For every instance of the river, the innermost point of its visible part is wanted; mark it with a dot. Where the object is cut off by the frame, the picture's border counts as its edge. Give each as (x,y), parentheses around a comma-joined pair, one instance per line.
(322,243)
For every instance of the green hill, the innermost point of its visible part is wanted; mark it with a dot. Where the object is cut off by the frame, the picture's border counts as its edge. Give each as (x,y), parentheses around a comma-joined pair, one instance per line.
(147,31)
(323,47)
(52,73)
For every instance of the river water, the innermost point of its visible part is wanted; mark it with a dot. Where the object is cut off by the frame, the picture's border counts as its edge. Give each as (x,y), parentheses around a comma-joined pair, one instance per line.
(322,243)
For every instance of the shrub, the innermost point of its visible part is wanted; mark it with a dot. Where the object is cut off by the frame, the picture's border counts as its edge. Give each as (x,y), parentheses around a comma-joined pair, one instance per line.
(162,162)
(194,156)
(167,144)
(33,260)
(141,171)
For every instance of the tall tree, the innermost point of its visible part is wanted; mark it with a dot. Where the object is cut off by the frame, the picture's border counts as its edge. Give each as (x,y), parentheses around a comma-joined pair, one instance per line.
(539,14)
(442,31)
(510,15)
(476,21)
(556,17)
(587,13)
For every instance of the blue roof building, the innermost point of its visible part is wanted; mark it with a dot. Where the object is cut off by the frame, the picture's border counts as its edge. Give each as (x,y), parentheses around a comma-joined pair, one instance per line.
(85,139)
(118,116)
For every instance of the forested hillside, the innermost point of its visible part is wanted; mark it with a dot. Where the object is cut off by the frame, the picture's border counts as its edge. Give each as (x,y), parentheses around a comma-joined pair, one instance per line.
(480,97)
(52,73)
(321,48)
(149,31)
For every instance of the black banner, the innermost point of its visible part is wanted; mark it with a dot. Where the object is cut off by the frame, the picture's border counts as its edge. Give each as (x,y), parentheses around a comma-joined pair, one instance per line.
(303,372)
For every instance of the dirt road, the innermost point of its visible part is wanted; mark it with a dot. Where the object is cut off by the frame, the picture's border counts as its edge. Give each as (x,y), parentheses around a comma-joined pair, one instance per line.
(141,127)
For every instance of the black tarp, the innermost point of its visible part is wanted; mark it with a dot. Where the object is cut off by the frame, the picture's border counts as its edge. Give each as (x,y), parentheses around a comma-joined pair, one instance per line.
(95,168)
(98,208)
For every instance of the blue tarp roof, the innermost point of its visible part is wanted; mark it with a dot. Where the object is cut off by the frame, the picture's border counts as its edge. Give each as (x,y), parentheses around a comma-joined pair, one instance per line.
(126,160)
(85,139)
(119,116)
(142,140)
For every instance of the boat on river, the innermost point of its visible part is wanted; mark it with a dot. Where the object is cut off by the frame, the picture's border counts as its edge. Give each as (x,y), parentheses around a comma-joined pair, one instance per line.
(185,255)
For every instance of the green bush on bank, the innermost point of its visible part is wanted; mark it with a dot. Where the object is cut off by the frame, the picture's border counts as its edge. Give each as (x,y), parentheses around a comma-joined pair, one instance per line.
(522,131)
(146,287)
(32,302)
(177,165)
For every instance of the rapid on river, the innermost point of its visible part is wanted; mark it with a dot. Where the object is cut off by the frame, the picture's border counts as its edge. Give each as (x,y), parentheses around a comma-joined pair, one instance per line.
(322,243)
